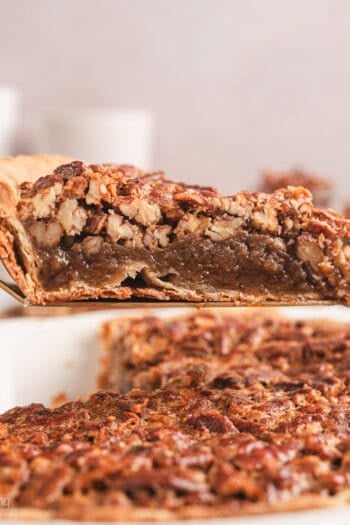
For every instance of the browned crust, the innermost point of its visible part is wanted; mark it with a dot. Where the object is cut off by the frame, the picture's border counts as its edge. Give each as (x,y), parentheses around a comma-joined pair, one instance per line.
(7,255)
(23,168)
(86,513)
(28,168)
(14,171)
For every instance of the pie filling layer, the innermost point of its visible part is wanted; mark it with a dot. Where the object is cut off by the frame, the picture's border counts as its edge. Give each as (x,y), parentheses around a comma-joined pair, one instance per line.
(249,262)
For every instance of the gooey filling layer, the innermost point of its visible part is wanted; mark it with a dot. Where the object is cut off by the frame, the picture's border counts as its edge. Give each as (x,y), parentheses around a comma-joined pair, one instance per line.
(250,262)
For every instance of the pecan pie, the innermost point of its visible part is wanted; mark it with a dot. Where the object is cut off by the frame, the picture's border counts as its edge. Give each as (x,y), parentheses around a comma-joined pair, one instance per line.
(106,231)
(320,187)
(257,421)
(234,350)
(254,419)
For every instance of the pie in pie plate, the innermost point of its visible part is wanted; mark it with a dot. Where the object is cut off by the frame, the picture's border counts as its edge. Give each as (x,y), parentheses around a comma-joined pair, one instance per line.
(257,423)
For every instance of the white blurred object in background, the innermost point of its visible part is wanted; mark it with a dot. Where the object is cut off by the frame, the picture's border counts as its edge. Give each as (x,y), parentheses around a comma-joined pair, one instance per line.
(7,386)
(9,106)
(124,136)
(9,109)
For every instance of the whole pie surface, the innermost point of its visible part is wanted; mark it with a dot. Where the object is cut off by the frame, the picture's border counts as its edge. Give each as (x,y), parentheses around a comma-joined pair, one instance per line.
(105,231)
(265,429)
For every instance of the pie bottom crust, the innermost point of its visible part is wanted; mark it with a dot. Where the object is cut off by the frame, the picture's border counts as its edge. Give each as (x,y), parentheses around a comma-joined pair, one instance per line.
(110,513)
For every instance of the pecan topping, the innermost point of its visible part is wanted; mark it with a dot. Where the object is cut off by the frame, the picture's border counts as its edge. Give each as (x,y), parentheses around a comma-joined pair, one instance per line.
(222,229)
(47,235)
(44,202)
(117,228)
(252,414)
(212,421)
(71,216)
(142,211)
(309,251)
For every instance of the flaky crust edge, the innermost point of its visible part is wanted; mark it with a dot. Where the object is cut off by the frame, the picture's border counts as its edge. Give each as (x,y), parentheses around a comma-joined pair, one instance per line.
(28,168)
(112,513)
(14,171)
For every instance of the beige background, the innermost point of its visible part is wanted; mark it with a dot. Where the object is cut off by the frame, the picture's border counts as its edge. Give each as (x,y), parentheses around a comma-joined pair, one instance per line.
(236,85)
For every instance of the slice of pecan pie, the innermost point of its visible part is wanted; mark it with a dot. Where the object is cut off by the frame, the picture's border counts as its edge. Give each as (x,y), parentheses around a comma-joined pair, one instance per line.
(106,231)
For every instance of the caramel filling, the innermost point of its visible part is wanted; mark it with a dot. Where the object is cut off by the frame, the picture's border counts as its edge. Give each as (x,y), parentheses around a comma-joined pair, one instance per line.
(248,262)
